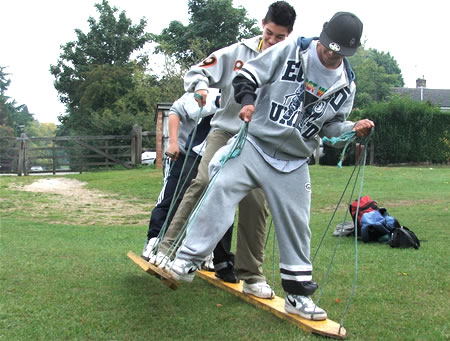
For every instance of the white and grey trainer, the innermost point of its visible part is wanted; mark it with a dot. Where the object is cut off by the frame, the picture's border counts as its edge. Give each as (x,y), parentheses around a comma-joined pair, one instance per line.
(305,307)
(149,248)
(208,263)
(258,289)
(182,270)
(159,259)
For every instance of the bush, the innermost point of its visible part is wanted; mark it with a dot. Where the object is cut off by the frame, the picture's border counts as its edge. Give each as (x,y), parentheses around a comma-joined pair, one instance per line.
(408,131)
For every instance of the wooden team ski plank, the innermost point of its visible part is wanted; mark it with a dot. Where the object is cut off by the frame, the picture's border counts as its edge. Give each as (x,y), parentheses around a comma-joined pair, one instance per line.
(153,270)
(327,327)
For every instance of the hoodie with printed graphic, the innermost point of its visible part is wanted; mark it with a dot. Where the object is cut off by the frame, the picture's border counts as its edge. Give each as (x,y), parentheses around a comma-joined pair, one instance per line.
(288,119)
(218,71)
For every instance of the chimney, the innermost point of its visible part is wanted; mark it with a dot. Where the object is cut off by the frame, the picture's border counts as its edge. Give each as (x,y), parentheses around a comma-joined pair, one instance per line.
(421,82)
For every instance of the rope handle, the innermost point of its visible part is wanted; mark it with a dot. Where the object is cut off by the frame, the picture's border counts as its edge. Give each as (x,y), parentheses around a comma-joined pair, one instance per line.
(348,138)
(199,97)
(238,144)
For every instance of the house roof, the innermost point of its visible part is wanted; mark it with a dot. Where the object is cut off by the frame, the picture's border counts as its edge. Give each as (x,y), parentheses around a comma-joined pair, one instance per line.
(438,97)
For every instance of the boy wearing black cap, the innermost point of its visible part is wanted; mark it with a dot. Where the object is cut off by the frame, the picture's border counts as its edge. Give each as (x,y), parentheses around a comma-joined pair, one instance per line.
(305,90)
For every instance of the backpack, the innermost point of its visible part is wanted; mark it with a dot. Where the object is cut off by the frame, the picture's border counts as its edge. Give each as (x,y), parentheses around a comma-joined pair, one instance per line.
(403,237)
(378,225)
(366,205)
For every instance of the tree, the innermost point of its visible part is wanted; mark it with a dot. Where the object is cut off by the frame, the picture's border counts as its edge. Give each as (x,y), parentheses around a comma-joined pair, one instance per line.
(376,74)
(134,107)
(36,129)
(96,71)
(4,82)
(213,24)
(110,41)
(12,115)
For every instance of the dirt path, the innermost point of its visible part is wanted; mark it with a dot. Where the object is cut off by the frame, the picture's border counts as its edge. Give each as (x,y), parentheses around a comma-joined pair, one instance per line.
(68,201)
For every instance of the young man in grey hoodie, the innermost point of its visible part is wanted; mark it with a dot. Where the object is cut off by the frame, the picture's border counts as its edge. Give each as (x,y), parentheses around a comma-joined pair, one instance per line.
(305,89)
(218,71)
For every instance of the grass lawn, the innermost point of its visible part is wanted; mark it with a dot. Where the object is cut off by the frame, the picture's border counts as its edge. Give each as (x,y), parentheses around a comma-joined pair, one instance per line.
(65,274)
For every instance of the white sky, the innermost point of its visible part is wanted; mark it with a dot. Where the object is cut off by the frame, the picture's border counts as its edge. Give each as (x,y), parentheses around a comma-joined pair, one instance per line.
(415,33)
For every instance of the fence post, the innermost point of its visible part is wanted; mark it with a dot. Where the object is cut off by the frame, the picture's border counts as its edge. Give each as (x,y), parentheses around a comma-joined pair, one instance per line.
(106,153)
(22,156)
(359,149)
(136,145)
(317,156)
(159,138)
(26,161)
(54,156)
(372,154)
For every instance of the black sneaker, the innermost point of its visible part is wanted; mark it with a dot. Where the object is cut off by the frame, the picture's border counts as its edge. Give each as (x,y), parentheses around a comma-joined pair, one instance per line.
(227,275)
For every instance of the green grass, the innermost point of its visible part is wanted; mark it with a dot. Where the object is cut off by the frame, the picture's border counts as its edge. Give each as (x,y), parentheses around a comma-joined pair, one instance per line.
(73,281)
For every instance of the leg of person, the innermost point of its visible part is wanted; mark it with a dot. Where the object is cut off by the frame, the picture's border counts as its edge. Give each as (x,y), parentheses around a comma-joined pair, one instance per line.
(289,199)
(159,212)
(205,229)
(181,174)
(215,140)
(187,174)
(251,241)
(224,258)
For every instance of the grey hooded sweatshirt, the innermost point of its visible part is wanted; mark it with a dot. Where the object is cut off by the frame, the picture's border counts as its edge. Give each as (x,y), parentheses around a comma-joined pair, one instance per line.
(218,71)
(285,124)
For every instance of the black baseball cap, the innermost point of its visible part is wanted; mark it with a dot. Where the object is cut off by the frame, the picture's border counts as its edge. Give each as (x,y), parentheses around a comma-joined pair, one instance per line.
(342,34)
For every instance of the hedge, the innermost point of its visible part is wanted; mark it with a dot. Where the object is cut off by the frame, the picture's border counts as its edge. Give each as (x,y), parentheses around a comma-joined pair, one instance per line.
(406,131)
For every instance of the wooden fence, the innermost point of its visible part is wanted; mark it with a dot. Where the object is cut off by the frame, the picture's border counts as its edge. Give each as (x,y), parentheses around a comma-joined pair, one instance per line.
(23,155)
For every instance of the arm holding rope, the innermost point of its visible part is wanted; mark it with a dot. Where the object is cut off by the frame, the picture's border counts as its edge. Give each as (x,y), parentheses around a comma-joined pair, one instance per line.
(200,96)
(363,127)
(245,94)
(173,149)
(246,112)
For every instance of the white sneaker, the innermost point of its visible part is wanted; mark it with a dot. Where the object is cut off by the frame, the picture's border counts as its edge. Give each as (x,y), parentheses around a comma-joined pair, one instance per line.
(258,289)
(182,269)
(146,254)
(305,307)
(159,259)
(208,264)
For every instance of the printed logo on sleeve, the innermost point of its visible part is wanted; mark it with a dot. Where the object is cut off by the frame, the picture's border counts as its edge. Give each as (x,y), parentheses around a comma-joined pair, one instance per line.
(210,61)
(238,64)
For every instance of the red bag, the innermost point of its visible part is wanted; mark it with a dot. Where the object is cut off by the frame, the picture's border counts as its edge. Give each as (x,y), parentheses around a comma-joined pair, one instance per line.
(366,204)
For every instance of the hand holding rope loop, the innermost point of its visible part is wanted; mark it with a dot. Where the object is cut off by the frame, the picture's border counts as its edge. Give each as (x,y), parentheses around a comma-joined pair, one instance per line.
(348,138)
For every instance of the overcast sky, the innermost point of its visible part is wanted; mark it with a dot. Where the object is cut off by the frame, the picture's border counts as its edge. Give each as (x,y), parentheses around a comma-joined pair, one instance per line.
(414,32)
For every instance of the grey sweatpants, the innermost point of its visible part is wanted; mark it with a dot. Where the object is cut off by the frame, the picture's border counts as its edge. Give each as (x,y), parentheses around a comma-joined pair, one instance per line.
(289,198)
(253,212)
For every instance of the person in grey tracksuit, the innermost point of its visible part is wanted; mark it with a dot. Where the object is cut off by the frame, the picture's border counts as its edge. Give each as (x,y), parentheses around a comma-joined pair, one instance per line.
(291,94)
(218,71)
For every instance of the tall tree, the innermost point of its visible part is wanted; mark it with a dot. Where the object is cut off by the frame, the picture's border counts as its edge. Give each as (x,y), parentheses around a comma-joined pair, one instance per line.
(376,74)
(213,24)
(12,115)
(97,70)
(4,82)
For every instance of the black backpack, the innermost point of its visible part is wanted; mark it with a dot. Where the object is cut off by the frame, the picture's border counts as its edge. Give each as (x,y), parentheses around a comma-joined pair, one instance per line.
(403,237)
